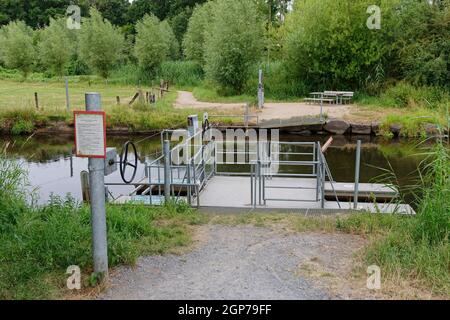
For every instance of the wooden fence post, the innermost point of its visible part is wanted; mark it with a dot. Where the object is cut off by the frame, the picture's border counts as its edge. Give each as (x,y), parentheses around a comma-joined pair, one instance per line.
(36,100)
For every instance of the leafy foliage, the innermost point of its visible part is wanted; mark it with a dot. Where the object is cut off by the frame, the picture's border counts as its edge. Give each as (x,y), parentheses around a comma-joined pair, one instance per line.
(328,45)
(101,44)
(155,42)
(234,42)
(56,47)
(17,49)
(194,39)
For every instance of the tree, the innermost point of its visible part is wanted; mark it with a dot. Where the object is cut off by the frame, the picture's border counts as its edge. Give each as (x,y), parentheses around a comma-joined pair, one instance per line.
(422,42)
(194,38)
(115,11)
(100,44)
(153,45)
(56,46)
(17,50)
(328,45)
(167,33)
(233,43)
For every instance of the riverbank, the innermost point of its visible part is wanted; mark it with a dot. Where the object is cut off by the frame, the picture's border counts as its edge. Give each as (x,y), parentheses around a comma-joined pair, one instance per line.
(19,115)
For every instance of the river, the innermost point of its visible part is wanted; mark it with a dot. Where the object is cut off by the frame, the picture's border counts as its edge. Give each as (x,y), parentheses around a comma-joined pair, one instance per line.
(52,170)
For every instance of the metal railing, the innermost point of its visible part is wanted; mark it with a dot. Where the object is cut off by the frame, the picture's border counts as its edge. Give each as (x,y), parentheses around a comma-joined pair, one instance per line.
(188,178)
(262,173)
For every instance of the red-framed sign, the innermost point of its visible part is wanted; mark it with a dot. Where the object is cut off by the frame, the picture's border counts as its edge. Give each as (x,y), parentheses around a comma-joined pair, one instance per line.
(90,134)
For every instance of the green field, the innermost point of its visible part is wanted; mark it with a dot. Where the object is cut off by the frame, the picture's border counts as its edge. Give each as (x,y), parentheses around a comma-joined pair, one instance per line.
(18,114)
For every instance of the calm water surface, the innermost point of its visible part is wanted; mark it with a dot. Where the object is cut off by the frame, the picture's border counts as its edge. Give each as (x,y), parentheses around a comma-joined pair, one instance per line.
(52,169)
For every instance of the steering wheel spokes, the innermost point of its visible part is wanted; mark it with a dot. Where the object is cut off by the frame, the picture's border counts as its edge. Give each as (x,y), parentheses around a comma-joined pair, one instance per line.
(125,163)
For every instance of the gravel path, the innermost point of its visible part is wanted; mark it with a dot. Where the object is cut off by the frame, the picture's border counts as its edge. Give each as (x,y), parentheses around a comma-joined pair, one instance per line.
(240,262)
(271,111)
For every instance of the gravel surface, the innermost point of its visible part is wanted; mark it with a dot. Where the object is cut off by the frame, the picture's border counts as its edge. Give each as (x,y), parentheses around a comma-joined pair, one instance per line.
(240,262)
(271,111)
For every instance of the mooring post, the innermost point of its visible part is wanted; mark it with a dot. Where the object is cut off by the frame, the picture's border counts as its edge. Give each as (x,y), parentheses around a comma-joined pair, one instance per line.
(71,166)
(97,197)
(84,177)
(357,170)
(67,94)
(167,170)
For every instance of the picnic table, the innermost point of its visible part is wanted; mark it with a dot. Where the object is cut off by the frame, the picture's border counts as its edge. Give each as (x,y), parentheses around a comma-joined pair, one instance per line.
(337,97)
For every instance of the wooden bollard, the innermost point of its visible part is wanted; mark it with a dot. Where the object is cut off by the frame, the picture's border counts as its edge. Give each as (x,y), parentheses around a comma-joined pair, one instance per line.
(141,97)
(36,100)
(84,175)
(118,100)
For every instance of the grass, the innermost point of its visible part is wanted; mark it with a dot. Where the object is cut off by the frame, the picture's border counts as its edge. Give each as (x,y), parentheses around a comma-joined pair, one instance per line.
(208,93)
(38,243)
(19,116)
(410,107)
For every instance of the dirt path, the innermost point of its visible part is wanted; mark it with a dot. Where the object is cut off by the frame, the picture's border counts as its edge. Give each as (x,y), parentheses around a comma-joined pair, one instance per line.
(187,100)
(243,262)
(271,111)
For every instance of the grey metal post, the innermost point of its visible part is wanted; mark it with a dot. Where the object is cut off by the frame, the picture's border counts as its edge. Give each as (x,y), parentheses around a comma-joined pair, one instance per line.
(167,170)
(260,90)
(97,195)
(67,95)
(357,170)
(252,169)
(321,108)
(317,165)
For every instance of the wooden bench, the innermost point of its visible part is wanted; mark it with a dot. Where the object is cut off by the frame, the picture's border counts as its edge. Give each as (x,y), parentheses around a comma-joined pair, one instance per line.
(318,100)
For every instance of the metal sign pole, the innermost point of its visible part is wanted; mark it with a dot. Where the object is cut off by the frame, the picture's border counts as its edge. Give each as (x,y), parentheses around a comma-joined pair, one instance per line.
(260,90)
(97,197)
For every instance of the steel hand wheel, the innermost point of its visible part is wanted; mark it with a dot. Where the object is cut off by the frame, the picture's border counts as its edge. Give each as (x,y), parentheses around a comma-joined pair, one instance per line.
(124,163)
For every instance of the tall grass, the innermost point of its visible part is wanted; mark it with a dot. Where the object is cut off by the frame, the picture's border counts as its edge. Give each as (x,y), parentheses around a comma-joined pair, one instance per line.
(418,248)
(180,73)
(278,84)
(37,244)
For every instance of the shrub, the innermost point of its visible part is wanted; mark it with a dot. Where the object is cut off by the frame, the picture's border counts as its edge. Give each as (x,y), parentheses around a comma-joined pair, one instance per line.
(22,127)
(101,44)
